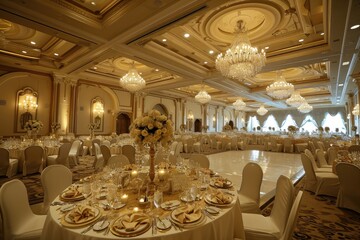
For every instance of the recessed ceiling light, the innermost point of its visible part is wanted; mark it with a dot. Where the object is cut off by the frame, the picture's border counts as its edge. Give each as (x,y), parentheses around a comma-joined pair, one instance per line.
(301,40)
(33,43)
(355,26)
(186,35)
(23,51)
(345,63)
(211,52)
(156,70)
(93,3)
(341,84)
(205,62)
(322,34)
(56,54)
(140,73)
(164,39)
(267,48)
(95,68)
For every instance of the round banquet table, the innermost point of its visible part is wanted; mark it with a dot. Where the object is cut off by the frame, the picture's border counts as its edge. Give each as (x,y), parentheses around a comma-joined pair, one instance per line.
(225,225)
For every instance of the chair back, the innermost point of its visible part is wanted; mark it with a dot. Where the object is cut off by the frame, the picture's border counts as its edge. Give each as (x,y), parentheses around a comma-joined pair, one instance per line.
(129,152)
(97,141)
(54,179)
(332,154)
(321,145)
(118,161)
(320,156)
(173,146)
(98,163)
(201,159)
(75,148)
(14,205)
(179,148)
(64,154)
(354,148)
(252,176)
(113,141)
(310,155)
(105,151)
(4,161)
(349,193)
(284,198)
(312,147)
(310,183)
(33,160)
(290,225)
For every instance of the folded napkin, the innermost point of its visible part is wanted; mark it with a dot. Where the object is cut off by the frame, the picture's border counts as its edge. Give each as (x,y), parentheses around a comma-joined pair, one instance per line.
(72,192)
(222,182)
(131,222)
(81,214)
(187,214)
(129,167)
(220,198)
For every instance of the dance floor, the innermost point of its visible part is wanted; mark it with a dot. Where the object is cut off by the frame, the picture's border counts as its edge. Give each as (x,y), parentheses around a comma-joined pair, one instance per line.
(230,165)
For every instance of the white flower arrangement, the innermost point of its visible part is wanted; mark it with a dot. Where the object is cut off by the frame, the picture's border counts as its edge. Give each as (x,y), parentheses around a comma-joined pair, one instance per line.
(152,128)
(33,125)
(55,126)
(93,126)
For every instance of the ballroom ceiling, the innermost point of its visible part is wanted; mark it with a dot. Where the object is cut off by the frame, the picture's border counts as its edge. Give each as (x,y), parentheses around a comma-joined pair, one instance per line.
(308,41)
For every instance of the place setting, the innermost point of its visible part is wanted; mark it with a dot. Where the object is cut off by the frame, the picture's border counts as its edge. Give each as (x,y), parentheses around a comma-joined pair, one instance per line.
(188,216)
(131,224)
(221,182)
(73,193)
(80,216)
(219,199)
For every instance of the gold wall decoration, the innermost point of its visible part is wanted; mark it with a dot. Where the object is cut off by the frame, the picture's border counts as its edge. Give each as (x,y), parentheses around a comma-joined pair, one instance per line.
(26,107)
(97,113)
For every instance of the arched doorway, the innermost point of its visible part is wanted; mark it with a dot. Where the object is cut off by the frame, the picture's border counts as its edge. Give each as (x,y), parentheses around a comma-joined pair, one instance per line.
(231,123)
(162,109)
(122,123)
(197,125)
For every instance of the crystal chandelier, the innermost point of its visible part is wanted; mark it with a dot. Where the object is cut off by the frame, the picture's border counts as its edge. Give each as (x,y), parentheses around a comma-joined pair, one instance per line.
(241,60)
(239,104)
(356,110)
(262,110)
(280,89)
(295,100)
(305,107)
(203,97)
(132,81)
(29,103)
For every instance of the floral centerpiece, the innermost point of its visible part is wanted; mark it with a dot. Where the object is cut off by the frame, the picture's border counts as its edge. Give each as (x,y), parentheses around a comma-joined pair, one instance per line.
(292,129)
(33,127)
(327,129)
(151,129)
(92,127)
(55,126)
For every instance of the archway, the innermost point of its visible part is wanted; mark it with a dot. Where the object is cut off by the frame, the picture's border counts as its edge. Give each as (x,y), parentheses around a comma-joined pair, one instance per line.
(122,123)
(197,125)
(231,123)
(162,109)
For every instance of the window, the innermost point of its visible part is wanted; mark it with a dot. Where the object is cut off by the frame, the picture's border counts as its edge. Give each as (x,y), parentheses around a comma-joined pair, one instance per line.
(308,125)
(288,121)
(270,122)
(334,122)
(253,124)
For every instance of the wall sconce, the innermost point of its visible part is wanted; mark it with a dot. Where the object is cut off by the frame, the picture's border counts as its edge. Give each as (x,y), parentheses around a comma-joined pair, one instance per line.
(28,103)
(98,108)
(190,116)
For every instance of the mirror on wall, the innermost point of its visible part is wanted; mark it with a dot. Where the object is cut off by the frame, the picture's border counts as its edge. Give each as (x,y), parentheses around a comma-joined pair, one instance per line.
(97,114)
(26,107)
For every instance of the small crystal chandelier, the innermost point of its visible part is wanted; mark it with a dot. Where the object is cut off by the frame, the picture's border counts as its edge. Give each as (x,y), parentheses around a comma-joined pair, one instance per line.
(305,107)
(356,110)
(29,103)
(280,89)
(295,100)
(203,97)
(241,60)
(262,110)
(132,81)
(239,104)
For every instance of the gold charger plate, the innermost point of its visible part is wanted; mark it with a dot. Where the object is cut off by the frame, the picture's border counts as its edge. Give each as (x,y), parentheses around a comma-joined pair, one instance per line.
(216,184)
(210,202)
(182,209)
(66,222)
(123,233)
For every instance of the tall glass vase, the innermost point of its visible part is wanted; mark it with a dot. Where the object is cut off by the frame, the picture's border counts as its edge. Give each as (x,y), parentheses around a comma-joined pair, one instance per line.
(152,162)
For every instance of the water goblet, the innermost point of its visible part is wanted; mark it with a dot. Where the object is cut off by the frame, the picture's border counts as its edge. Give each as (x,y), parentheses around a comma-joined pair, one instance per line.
(158,200)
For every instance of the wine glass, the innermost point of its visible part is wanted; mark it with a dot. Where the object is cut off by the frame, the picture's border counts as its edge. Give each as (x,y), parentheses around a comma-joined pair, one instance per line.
(158,200)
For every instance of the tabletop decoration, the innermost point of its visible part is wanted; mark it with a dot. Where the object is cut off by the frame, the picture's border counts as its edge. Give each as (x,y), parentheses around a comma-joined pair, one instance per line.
(92,127)
(33,127)
(151,129)
(131,224)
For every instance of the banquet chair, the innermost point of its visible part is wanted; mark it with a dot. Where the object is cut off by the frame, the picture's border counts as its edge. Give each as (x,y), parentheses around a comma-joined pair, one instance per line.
(349,192)
(256,226)
(354,148)
(129,152)
(320,183)
(249,193)
(312,147)
(288,145)
(178,149)
(173,147)
(189,145)
(321,145)
(74,152)
(113,141)
(201,159)
(311,157)
(92,149)
(275,146)
(33,161)
(105,151)
(290,225)
(320,156)
(226,144)
(54,179)
(62,158)
(106,143)
(332,154)
(234,143)
(8,166)
(118,161)
(99,159)
(19,222)
(215,144)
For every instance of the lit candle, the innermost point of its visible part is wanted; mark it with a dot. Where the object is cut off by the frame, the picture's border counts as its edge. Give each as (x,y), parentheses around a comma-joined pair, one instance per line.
(136,209)
(124,198)
(161,174)
(141,200)
(134,173)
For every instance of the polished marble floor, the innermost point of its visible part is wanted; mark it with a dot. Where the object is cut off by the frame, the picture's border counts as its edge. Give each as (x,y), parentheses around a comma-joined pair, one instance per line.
(230,165)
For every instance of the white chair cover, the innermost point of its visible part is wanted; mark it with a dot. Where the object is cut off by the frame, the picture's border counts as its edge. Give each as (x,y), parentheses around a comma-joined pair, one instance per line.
(8,166)
(332,154)
(129,152)
(310,156)
(105,151)
(106,143)
(74,152)
(63,156)
(320,183)
(33,162)
(54,179)
(99,160)
(189,145)
(257,226)
(288,145)
(275,146)
(19,222)
(201,159)
(118,161)
(320,156)
(349,193)
(249,193)
(290,225)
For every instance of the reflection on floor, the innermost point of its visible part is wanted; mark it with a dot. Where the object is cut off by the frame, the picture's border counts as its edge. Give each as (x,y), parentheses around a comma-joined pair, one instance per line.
(230,165)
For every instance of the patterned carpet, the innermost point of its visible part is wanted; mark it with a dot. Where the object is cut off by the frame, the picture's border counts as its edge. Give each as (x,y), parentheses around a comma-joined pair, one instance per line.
(319,218)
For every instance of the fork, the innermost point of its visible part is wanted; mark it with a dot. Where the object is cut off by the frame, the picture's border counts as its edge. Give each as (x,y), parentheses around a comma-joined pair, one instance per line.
(92,225)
